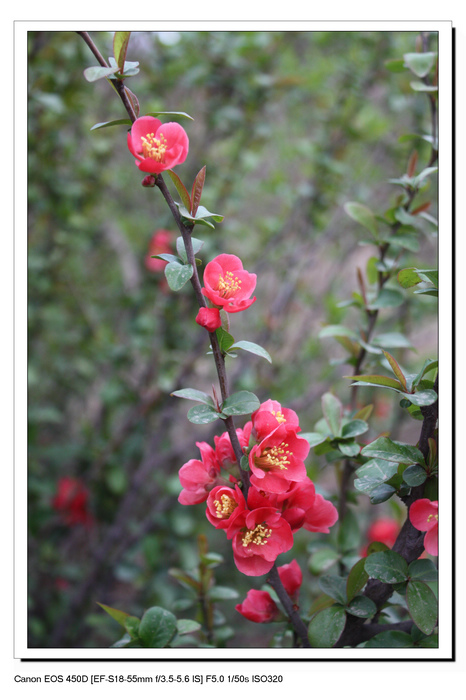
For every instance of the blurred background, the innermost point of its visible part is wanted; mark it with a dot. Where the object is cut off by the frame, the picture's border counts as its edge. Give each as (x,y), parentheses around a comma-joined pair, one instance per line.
(291,125)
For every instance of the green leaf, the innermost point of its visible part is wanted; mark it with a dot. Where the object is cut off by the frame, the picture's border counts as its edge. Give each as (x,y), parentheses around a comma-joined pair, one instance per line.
(194,395)
(353,428)
(252,348)
(414,475)
(381,493)
(392,639)
(202,216)
(361,606)
(423,570)
(326,627)
(202,415)
(198,186)
(334,586)
(422,606)
(395,65)
(357,579)
(313,438)
(158,627)
(387,298)
(408,277)
(181,189)
(333,413)
(241,403)
(168,257)
(94,73)
(132,626)
(419,63)
(170,114)
(348,533)
(422,87)
(187,626)
(387,566)
(349,448)
(186,579)
(217,593)
(337,331)
(425,397)
(225,339)
(374,473)
(393,451)
(181,248)
(115,122)
(130,68)
(376,380)
(120,47)
(177,275)
(392,340)
(117,615)
(322,561)
(363,215)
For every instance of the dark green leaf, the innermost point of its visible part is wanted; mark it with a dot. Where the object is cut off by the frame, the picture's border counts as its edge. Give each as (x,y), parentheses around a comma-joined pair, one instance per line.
(425,397)
(354,427)
(387,566)
(349,448)
(241,403)
(132,626)
(361,606)
(393,451)
(157,628)
(115,122)
(326,627)
(120,47)
(194,395)
(423,570)
(422,606)
(392,639)
(334,586)
(374,473)
(357,579)
(201,415)
(225,339)
(181,189)
(381,493)
(415,475)
(322,561)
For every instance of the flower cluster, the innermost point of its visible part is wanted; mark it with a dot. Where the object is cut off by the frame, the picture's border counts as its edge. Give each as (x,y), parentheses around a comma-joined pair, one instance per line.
(259,605)
(281,498)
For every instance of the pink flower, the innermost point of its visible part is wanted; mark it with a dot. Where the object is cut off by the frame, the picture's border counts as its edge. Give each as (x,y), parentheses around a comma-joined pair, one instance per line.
(424,517)
(269,416)
(227,284)
(209,319)
(224,504)
(278,460)
(302,507)
(258,537)
(198,477)
(71,501)
(259,607)
(224,450)
(292,577)
(160,244)
(156,146)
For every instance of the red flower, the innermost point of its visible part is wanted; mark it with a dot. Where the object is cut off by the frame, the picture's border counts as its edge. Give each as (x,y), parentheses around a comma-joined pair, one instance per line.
(278,460)
(259,607)
(269,416)
(160,244)
(224,504)
(156,146)
(209,319)
(258,537)
(303,507)
(224,450)
(71,500)
(424,516)
(227,284)
(198,477)
(292,577)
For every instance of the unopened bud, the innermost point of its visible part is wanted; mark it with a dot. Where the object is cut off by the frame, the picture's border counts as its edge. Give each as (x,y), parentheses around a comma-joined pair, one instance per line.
(149,181)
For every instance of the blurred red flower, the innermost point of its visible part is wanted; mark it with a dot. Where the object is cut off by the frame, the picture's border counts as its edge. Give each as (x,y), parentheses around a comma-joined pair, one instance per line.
(160,244)
(71,501)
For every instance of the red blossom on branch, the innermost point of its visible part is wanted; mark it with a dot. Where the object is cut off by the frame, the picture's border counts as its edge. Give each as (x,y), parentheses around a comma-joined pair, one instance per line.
(227,284)
(424,517)
(156,146)
(258,606)
(209,319)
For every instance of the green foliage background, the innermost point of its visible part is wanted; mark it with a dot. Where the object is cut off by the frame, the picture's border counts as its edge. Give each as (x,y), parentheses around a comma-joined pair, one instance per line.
(291,125)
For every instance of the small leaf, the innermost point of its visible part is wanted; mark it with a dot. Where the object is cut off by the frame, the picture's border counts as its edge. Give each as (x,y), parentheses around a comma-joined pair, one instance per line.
(392,340)
(157,628)
(381,493)
(357,579)
(115,122)
(414,475)
(187,626)
(387,298)
(363,215)
(170,114)
(422,606)
(337,331)
(326,627)
(181,248)
(392,639)
(322,560)
(94,73)
(194,395)
(252,348)
(387,566)
(217,593)
(396,369)
(392,451)
(241,403)
(334,586)
(117,615)
(374,473)
(202,415)
(313,438)
(426,397)
(419,63)
(181,189)
(349,448)
(375,380)
(353,428)
(132,626)
(361,606)
(177,275)
(198,186)
(423,570)
(333,413)
(120,47)
(408,278)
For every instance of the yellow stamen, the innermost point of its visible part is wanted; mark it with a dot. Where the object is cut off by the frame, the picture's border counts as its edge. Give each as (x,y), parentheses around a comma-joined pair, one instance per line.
(228,285)
(154,148)
(274,457)
(279,416)
(431,516)
(257,536)
(225,506)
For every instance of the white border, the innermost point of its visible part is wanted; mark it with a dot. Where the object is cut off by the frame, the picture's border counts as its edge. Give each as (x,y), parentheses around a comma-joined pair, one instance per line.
(446,186)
